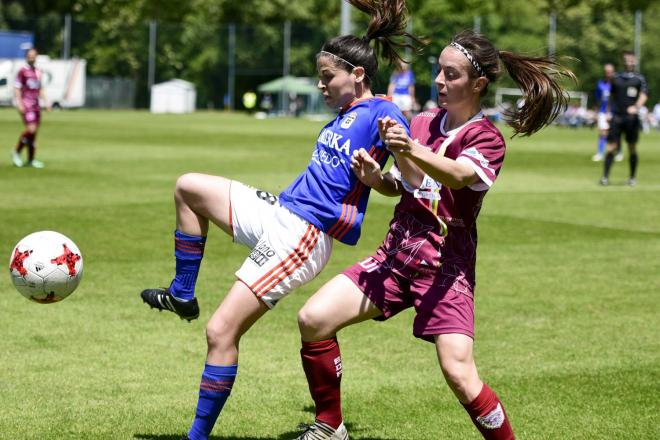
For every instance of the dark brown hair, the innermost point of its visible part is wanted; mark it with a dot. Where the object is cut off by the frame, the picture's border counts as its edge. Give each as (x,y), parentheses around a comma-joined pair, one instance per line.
(544,98)
(387,28)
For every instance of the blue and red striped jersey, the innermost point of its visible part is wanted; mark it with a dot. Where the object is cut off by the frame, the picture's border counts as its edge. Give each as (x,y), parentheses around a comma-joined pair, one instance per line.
(328,194)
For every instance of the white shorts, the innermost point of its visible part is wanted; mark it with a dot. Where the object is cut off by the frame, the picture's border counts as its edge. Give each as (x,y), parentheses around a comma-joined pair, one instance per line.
(603,123)
(404,102)
(287,251)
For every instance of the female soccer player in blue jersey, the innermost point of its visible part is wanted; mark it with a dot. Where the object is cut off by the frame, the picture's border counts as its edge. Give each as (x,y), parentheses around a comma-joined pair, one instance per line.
(290,236)
(444,168)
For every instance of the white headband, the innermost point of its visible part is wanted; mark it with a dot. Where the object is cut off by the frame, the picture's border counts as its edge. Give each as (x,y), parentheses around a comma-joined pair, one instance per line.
(323,52)
(469,56)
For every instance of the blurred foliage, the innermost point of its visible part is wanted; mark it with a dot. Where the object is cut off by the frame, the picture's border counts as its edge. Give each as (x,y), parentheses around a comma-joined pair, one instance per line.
(193,36)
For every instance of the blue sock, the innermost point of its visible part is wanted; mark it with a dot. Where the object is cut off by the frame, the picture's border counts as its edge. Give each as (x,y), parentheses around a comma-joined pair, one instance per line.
(213,393)
(601,144)
(188,251)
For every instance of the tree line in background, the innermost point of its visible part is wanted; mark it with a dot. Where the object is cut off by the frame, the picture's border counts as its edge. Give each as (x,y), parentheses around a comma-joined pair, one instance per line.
(193,36)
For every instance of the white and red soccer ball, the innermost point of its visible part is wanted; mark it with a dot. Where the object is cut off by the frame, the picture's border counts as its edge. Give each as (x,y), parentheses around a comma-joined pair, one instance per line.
(46,266)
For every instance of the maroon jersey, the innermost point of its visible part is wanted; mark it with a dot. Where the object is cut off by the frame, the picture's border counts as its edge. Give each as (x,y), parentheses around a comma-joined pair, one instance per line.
(28,81)
(434,227)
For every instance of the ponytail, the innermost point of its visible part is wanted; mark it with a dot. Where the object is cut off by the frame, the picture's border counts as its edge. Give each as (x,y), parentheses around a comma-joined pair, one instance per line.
(387,28)
(389,20)
(544,98)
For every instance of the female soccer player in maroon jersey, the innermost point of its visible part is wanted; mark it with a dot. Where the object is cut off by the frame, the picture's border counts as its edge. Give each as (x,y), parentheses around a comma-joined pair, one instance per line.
(427,260)
(28,90)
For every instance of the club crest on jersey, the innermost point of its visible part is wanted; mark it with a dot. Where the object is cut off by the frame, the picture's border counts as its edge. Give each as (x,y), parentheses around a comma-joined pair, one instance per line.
(348,120)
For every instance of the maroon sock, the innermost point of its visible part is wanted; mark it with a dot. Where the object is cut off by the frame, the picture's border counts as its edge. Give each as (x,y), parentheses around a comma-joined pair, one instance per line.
(31,147)
(322,364)
(23,140)
(488,415)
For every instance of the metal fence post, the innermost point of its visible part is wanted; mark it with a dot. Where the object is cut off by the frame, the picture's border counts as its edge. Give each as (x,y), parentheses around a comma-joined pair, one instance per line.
(286,66)
(231,74)
(151,74)
(66,37)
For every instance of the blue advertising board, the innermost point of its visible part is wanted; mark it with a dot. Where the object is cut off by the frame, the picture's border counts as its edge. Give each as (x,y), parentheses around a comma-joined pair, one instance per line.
(14,44)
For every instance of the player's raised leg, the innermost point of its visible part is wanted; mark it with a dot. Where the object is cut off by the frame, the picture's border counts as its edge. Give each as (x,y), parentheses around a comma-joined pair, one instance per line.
(481,403)
(337,304)
(199,198)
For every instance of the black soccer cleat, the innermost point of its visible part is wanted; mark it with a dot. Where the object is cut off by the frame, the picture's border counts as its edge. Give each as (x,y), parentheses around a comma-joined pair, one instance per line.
(162,299)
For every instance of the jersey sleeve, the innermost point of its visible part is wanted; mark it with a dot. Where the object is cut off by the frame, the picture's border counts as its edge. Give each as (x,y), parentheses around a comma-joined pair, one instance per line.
(484,153)
(598,94)
(391,110)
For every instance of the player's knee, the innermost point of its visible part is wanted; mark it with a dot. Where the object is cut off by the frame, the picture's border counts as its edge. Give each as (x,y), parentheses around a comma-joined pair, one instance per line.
(460,376)
(187,188)
(186,183)
(220,335)
(455,373)
(311,320)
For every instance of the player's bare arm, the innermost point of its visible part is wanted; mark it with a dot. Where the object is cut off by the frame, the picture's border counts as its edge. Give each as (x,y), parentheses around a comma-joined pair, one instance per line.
(413,174)
(19,101)
(447,171)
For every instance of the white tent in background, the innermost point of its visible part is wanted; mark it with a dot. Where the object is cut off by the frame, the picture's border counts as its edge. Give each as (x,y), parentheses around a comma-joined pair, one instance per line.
(174,96)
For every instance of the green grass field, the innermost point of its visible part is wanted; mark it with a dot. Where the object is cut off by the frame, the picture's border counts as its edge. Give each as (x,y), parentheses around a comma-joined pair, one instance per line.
(567,302)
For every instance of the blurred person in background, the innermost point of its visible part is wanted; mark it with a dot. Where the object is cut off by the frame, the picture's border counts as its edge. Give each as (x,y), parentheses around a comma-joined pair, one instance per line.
(627,96)
(27,92)
(602,95)
(402,88)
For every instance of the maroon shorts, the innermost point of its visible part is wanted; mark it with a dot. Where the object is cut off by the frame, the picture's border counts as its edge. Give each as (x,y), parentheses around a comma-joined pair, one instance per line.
(31,117)
(442,298)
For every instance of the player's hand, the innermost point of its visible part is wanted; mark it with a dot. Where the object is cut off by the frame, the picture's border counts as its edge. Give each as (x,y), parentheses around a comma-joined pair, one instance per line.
(632,110)
(383,125)
(397,139)
(20,108)
(366,168)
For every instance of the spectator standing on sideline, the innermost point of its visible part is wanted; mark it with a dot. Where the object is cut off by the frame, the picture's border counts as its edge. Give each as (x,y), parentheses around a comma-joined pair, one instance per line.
(402,88)
(628,94)
(602,96)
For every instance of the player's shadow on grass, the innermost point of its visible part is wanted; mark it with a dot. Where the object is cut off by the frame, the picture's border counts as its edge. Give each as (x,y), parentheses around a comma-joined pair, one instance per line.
(284,436)
(352,429)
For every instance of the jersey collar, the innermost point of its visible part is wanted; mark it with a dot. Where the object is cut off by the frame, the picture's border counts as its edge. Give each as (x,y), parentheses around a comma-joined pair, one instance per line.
(479,116)
(356,101)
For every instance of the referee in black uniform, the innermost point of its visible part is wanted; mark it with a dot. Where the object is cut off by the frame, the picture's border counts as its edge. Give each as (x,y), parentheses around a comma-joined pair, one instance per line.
(629,93)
